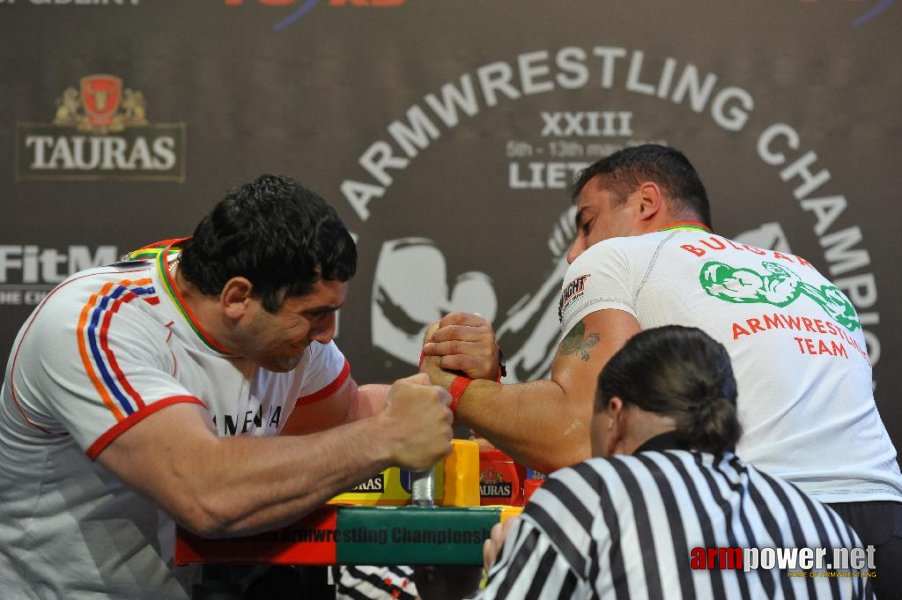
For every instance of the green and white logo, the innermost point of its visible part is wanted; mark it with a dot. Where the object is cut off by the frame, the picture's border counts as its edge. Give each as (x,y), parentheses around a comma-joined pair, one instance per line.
(779,287)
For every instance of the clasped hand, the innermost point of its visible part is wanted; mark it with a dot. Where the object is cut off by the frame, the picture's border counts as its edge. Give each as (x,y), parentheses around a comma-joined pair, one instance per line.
(460,344)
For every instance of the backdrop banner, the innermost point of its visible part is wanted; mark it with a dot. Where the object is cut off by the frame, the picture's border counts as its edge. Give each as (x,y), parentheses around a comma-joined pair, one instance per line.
(446,134)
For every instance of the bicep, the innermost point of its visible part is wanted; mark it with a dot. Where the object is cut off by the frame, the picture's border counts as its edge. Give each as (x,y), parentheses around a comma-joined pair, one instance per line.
(156,456)
(586,349)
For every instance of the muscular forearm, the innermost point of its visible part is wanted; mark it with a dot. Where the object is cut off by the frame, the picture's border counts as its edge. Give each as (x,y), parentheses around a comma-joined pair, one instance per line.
(533,422)
(253,484)
(240,485)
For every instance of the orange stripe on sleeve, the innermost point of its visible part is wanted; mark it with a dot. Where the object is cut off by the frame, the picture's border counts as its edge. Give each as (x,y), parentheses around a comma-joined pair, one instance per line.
(105,346)
(85,356)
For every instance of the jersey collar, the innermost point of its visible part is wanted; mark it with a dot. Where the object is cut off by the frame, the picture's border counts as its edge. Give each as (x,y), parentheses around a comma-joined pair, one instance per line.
(686,226)
(663,441)
(178,301)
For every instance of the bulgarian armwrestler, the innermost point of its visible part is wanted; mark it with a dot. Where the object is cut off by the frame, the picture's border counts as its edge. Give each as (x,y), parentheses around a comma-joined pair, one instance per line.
(645,256)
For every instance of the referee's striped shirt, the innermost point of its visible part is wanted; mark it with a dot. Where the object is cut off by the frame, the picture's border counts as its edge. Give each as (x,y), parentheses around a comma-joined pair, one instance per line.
(625,527)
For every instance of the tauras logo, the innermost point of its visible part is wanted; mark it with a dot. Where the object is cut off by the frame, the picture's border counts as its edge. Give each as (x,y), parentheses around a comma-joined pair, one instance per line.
(375,483)
(100,131)
(495,490)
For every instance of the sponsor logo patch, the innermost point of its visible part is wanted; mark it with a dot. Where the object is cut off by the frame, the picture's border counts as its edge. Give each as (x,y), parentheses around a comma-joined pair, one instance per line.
(100,131)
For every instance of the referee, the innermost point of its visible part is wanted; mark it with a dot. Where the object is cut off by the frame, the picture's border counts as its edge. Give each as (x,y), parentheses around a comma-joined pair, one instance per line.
(644,526)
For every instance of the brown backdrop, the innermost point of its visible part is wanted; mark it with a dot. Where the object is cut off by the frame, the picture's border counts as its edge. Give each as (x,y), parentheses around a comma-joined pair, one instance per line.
(444,132)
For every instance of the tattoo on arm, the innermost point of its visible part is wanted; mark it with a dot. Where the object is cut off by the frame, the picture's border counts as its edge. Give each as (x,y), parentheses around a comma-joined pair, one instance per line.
(577,342)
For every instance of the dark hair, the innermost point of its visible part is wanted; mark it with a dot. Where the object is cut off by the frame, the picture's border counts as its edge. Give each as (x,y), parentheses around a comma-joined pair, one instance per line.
(680,372)
(280,235)
(665,166)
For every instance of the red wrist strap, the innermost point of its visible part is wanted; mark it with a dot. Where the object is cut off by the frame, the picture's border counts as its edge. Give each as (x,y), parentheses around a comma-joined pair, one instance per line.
(457,389)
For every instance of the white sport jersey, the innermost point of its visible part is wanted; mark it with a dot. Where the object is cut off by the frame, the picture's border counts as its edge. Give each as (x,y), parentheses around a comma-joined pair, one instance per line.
(805,398)
(107,348)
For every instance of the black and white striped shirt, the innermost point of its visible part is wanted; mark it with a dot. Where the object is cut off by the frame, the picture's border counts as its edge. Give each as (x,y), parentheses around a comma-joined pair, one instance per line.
(357,582)
(626,526)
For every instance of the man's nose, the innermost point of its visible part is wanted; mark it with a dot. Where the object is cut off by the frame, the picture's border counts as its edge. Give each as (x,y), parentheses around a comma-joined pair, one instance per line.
(324,331)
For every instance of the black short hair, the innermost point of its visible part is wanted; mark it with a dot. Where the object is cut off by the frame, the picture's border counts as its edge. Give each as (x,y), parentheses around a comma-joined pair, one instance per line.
(280,235)
(665,166)
(680,372)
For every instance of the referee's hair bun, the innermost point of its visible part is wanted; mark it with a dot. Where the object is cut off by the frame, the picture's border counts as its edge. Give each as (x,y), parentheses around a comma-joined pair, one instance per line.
(710,426)
(680,372)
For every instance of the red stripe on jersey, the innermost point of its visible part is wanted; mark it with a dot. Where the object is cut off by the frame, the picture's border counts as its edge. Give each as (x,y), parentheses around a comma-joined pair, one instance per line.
(133,419)
(33,318)
(329,389)
(163,243)
(111,359)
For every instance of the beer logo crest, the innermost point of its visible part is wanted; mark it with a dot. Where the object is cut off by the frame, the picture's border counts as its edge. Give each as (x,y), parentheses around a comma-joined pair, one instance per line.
(491,475)
(493,485)
(100,131)
(102,106)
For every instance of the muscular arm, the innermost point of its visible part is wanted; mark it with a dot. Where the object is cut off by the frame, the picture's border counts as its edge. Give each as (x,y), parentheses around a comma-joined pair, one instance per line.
(544,424)
(349,403)
(241,485)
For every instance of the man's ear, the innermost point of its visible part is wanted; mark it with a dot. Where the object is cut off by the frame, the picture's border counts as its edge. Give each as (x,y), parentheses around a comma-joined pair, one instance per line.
(235,296)
(617,425)
(615,410)
(607,432)
(651,200)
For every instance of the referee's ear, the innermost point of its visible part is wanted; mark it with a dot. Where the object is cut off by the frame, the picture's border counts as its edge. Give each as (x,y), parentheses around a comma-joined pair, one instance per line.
(608,427)
(615,407)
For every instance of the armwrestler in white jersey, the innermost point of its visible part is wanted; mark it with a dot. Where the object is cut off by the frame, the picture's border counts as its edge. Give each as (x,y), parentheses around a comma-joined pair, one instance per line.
(645,256)
(153,391)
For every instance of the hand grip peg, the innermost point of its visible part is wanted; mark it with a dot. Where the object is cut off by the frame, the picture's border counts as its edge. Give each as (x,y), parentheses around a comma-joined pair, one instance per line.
(422,487)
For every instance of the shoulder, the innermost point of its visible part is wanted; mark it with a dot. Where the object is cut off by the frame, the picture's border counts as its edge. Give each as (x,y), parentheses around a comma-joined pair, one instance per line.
(628,250)
(89,294)
(617,245)
(322,372)
(96,278)
(319,355)
(622,478)
(95,312)
(603,478)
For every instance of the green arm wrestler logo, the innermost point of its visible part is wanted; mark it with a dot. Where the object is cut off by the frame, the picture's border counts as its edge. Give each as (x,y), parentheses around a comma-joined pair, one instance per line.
(779,287)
